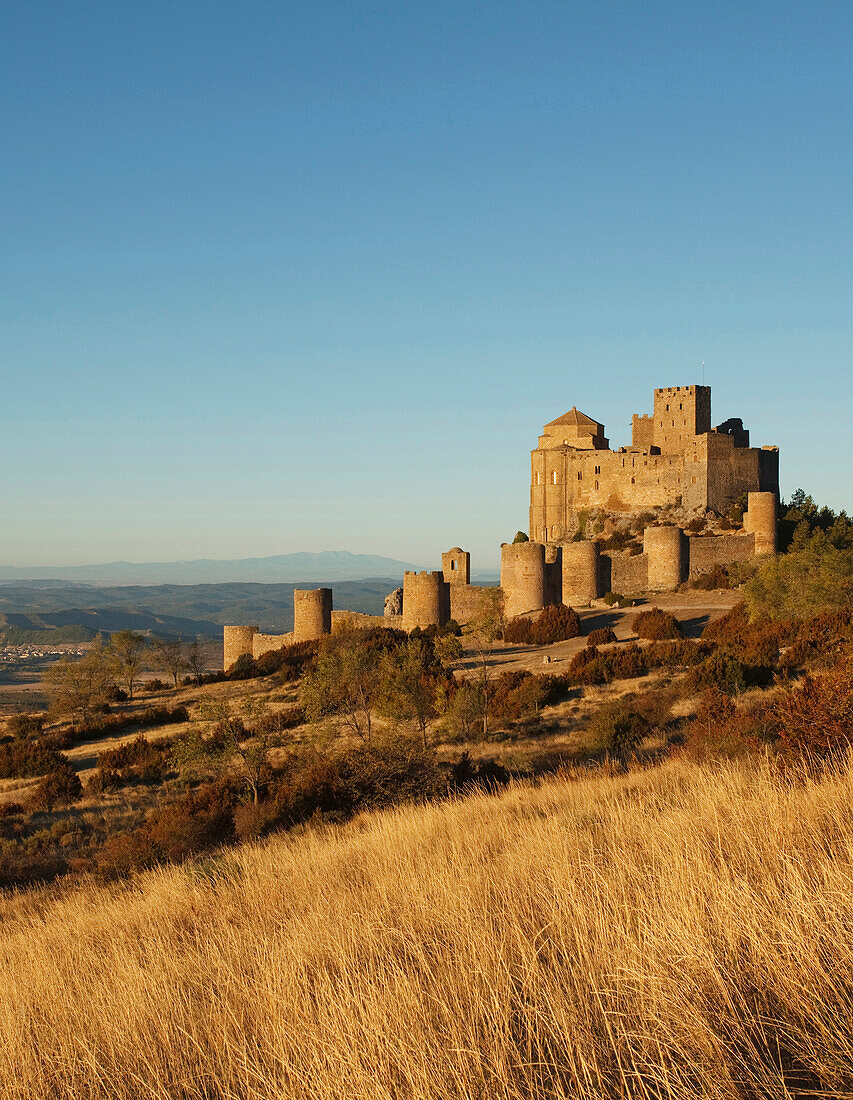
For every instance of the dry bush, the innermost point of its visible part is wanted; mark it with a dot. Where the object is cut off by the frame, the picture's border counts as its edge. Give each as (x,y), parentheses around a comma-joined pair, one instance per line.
(816,716)
(557,623)
(715,578)
(655,624)
(684,932)
(602,635)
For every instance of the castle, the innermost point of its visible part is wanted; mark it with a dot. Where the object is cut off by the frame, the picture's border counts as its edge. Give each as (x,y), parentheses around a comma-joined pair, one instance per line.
(675,459)
(676,462)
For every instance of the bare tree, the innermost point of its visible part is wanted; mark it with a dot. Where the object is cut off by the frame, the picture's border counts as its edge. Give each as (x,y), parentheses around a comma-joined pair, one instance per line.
(126,653)
(79,686)
(195,662)
(168,656)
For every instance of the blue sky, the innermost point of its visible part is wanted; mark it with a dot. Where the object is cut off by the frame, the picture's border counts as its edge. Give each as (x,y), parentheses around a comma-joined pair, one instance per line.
(305,276)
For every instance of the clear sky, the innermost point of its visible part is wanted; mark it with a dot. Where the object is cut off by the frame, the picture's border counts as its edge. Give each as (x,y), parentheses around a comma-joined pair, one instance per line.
(311,275)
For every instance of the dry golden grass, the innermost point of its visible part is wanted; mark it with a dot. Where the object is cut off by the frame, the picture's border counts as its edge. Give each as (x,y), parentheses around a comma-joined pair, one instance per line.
(674,933)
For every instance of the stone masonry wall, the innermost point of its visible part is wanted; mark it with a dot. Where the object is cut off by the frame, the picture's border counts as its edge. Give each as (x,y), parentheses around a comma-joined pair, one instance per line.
(265,643)
(469,601)
(707,551)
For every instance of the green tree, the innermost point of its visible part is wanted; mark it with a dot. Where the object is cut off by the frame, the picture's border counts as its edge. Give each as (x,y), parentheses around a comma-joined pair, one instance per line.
(127,654)
(411,681)
(815,575)
(344,684)
(520,536)
(78,687)
(220,742)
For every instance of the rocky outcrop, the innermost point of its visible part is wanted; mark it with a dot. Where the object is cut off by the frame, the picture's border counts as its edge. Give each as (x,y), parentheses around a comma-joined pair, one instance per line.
(394,602)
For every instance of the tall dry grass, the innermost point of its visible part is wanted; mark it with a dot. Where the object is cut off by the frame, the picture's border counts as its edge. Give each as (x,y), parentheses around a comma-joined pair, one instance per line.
(684,932)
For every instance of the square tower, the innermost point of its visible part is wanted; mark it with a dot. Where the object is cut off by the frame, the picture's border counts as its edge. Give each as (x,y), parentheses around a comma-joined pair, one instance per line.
(681,413)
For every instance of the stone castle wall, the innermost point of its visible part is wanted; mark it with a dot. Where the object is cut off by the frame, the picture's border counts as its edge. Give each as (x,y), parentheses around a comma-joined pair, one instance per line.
(706,552)
(265,643)
(469,601)
(426,600)
(675,460)
(312,618)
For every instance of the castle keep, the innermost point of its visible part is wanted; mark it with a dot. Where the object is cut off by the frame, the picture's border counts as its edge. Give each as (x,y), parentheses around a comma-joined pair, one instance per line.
(676,466)
(675,459)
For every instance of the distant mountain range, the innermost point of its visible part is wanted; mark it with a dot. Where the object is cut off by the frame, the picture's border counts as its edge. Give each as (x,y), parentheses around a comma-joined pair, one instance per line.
(324,567)
(68,612)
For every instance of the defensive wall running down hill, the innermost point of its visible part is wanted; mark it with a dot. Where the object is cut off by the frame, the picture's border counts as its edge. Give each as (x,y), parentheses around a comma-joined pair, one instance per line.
(312,618)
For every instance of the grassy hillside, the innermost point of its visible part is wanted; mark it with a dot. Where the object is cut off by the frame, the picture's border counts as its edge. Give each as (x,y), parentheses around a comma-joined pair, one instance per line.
(681,932)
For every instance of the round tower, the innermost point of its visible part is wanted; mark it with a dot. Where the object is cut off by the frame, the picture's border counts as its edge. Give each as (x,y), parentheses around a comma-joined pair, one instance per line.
(312,613)
(426,600)
(664,550)
(523,577)
(236,642)
(760,520)
(580,572)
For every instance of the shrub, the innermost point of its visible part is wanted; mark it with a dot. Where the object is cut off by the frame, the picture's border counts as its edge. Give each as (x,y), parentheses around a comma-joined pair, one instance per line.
(816,716)
(719,670)
(602,635)
(115,723)
(21,759)
(25,725)
(61,785)
(289,662)
(519,632)
(468,775)
(617,730)
(139,761)
(244,668)
(190,824)
(336,787)
(713,579)
(655,624)
(722,729)
(615,599)
(554,624)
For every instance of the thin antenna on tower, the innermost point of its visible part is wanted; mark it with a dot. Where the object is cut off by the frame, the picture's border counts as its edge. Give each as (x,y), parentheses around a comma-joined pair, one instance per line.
(703,372)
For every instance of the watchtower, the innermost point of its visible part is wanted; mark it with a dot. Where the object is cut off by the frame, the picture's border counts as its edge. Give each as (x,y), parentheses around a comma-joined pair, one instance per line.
(426,600)
(760,520)
(681,413)
(523,577)
(456,566)
(312,613)
(580,572)
(237,642)
(665,552)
